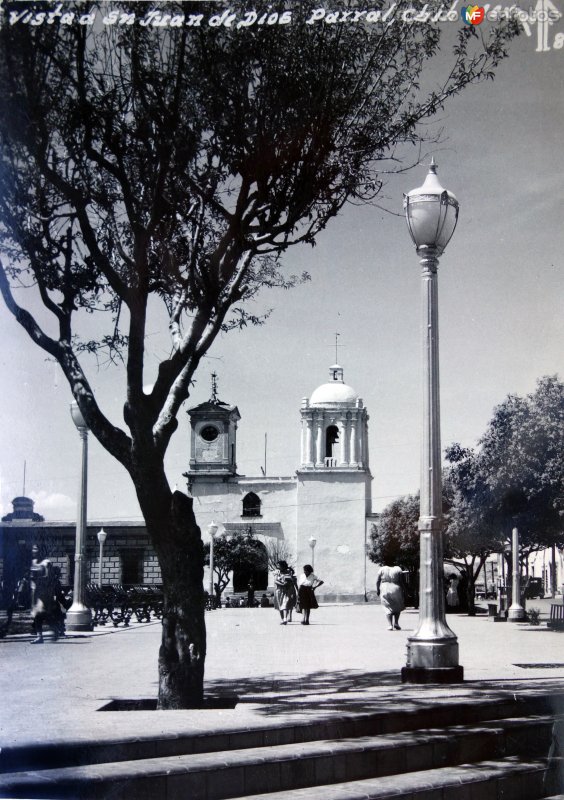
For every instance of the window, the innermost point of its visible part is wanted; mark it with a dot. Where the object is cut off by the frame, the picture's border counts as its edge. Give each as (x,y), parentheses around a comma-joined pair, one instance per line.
(131,566)
(251,505)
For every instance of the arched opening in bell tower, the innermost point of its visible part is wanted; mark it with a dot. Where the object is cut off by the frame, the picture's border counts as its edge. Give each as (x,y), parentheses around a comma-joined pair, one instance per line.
(331,440)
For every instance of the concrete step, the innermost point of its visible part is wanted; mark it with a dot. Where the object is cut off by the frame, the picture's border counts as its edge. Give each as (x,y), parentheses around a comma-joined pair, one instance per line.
(509,778)
(286,768)
(463,712)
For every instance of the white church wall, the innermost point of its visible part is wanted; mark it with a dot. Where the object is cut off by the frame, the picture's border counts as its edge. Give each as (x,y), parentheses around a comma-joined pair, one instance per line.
(332,509)
(221,501)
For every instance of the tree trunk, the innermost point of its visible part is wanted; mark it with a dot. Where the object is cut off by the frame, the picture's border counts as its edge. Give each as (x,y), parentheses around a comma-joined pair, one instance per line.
(178,544)
(471,599)
(470,586)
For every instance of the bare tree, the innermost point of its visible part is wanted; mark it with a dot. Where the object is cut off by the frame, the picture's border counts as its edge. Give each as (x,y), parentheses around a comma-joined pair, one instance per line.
(278,550)
(144,165)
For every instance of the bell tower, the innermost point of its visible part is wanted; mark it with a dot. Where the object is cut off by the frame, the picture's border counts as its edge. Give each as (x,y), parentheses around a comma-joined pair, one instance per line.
(333,485)
(334,427)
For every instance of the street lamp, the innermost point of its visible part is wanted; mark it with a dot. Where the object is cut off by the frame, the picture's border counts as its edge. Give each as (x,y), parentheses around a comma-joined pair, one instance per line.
(79,617)
(102,536)
(212,530)
(515,612)
(432,652)
(312,543)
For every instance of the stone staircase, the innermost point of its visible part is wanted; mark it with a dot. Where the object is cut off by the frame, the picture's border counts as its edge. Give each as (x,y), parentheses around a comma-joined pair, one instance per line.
(471,749)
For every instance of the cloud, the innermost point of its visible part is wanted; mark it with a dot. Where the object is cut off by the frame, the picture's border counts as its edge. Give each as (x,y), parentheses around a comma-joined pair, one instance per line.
(50,501)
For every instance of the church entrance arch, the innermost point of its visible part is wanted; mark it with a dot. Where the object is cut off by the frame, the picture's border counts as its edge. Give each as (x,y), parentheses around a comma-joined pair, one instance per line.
(258,573)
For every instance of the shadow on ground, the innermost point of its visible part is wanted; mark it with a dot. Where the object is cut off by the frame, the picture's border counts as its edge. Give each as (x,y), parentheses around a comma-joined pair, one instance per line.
(353,691)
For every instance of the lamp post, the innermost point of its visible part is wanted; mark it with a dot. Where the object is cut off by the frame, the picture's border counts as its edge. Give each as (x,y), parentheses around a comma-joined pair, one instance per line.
(432,651)
(79,617)
(102,536)
(515,612)
(212,530)
(312,543)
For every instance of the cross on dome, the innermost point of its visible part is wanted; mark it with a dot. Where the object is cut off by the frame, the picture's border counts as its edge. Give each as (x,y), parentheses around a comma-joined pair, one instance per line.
(214,398)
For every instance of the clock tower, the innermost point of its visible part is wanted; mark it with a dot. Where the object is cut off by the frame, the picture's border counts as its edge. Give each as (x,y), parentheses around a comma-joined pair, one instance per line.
(213,437)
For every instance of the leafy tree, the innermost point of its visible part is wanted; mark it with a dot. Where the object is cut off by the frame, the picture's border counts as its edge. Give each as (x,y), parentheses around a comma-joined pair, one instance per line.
(239,551)
(394,539)
(145,167)
(522,460)
(471,533)
(514,479)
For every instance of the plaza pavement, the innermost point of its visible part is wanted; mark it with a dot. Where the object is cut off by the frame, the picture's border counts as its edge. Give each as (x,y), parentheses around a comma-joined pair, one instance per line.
(345,661)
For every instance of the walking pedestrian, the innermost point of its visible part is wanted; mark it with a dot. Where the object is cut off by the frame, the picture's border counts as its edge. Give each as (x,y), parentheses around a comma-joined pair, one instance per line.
(46,592)
(389,588)
(285,591)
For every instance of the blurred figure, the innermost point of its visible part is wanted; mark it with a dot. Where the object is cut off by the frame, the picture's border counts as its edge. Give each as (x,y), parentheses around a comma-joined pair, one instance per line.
(46,593)
(251,593)
(452,597)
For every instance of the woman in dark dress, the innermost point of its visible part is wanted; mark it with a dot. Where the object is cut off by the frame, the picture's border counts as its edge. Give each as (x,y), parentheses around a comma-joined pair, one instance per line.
(307,585)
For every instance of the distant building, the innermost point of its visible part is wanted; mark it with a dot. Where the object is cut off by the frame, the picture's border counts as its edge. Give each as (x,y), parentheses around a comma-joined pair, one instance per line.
(128,555)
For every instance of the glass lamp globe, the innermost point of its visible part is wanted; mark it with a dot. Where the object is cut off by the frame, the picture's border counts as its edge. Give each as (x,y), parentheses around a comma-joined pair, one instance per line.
(77,417)
(431,213)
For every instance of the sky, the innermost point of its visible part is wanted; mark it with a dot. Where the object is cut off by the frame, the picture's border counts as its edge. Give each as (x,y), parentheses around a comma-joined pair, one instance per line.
(501,310)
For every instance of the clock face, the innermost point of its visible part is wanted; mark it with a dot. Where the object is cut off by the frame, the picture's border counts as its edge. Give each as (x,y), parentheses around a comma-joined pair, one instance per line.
(209,433)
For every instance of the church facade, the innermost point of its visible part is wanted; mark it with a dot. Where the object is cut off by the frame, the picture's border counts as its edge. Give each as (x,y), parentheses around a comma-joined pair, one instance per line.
(320,515)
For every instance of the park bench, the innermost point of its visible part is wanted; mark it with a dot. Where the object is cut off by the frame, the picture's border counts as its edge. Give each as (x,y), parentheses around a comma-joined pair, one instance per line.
(109,602)
(556,620)
(146,601)
(118,604)
(100,600)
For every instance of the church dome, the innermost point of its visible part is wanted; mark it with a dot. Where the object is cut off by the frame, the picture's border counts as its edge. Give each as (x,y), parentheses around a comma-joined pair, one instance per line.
(336,391)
